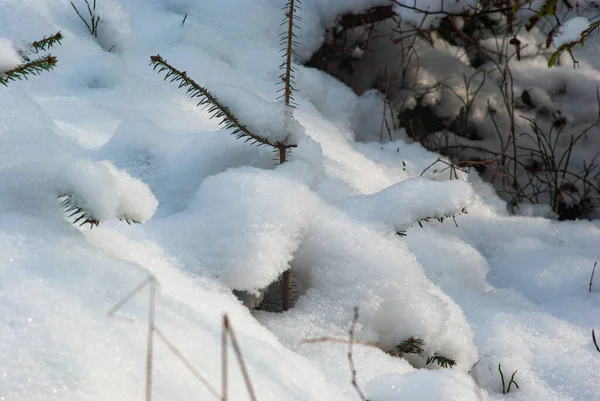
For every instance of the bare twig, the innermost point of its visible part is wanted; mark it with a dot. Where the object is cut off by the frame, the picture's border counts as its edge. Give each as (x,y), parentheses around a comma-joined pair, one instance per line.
(153,330)
(595,342)
(150,343)
(339,341)
(592,277)
(224,365)
(351,358)
(187,364)
(236,349)
(450,166)
(130,295)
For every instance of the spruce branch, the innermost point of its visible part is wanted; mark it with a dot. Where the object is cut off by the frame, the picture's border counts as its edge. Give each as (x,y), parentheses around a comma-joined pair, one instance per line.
(77,214)
(47,42)
(441,361)
(410,346)
(23,71)
(442,218)
(402,233)
(215,108)
(288,43)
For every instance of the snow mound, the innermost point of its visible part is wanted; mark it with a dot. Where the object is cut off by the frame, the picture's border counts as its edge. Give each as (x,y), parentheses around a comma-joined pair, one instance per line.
(98,188)
(9,58)
(243,226)
(402,204)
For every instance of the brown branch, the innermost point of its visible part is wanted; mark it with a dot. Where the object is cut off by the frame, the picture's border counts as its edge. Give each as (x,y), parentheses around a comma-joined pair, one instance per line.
(350,357)
(592,277)
(286,284)
(236,349)
(179,355)
(339,341)
(150,342)
(224,364)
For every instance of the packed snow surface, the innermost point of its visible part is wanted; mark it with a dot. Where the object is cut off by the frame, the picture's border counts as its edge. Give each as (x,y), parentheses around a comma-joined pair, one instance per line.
(221,215)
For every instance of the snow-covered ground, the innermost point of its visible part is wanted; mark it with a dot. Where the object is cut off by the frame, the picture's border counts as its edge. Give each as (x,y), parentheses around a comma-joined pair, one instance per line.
(220,214)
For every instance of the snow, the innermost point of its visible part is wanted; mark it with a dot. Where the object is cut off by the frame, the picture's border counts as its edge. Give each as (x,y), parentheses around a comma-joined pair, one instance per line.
(9,58)
(229,206)
(97,187)
(571,31)
(220,215)
(424,385)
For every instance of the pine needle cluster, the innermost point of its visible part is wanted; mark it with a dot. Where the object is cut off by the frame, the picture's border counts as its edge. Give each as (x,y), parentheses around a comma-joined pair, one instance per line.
(77,214)
(441,219)
(33,66)
(46,43)
(410,346)
(441,361)
(416,346)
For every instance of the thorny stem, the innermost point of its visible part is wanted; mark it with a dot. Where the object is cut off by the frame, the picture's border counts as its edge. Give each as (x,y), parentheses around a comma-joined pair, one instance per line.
(289,52)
